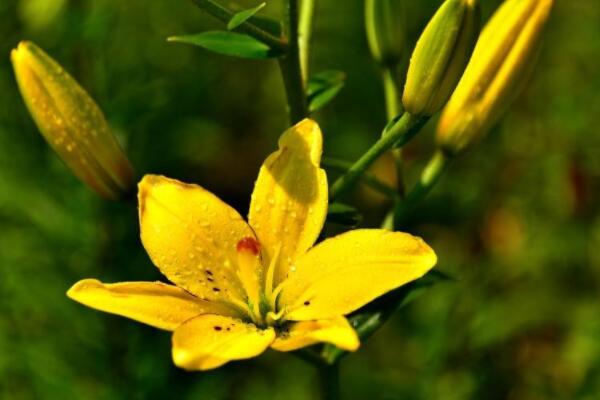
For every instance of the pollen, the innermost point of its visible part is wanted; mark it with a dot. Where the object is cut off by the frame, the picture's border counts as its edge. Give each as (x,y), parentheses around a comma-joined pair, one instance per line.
(248,244)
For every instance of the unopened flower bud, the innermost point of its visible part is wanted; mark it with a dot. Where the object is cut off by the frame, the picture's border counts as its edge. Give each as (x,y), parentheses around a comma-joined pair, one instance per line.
(502,60)
(71,122)
(385,22)
(440,56)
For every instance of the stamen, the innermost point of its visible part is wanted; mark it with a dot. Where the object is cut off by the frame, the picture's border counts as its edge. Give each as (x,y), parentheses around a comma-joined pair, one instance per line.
(271,273)
(249,266)
(273,298)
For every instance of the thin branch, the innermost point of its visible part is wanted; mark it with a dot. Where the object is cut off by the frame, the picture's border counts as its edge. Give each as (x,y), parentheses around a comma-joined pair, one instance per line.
(224,14)
(305,31)
(291,70)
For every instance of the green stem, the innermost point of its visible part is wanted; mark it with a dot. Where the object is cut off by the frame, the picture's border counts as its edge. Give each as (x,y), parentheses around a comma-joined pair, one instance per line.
(393,106)
(430,176)
(291,70)
(397,135)
(343,166)
(224,14)
(329,378)
(305,30)
(391,89)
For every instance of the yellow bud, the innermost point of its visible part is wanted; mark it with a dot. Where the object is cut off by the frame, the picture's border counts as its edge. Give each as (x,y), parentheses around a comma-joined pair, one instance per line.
(71,122)
(440,56)
(385,25)
(503,58)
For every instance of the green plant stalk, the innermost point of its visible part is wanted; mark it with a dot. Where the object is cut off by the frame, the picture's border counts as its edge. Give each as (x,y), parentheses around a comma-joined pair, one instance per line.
(305,31)
(224,14)
(329,379)
(430,176)
(397,135)
(372,181)
(291,70)
(393,107)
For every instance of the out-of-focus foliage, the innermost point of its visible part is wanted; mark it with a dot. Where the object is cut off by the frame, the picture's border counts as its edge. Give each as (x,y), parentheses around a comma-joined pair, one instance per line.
(516,219)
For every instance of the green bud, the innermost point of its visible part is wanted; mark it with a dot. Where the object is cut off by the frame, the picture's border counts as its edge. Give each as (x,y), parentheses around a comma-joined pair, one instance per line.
(385,25)
(503,59)
(440,56)
(71,122)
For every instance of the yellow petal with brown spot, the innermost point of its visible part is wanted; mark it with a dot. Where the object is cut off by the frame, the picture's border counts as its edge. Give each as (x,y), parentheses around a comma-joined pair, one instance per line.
(191,236)
(209,341)
(156,304)
(344,273)
(336,331)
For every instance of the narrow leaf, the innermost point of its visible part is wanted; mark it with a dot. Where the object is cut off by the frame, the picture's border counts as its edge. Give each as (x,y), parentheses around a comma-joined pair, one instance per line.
(228,43)
(322,80)
(323,87)
(242,16)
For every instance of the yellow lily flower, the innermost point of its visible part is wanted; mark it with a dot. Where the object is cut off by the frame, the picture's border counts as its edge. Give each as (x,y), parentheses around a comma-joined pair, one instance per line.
(243,287)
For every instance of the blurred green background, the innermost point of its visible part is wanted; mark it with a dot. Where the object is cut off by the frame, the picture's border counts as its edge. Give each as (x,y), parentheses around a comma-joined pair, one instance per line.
(516,220)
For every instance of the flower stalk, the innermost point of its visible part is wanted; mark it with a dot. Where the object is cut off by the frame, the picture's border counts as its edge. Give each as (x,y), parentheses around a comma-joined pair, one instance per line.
(398,134)
(291,68)
(305,34)
(329,379)
(430,176)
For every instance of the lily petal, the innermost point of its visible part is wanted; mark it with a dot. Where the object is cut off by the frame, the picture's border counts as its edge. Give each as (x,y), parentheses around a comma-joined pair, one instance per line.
(156,304)
(289,202)
(336,331)
(344,273)
(209,341)
(191,236)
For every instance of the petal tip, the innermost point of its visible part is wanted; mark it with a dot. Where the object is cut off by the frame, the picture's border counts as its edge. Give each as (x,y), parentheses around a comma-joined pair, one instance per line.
(81,286)
(145,185)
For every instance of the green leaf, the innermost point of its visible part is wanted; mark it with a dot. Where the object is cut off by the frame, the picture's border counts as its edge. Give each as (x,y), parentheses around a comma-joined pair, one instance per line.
(242,16)
(229,44)
(343,214)
(323,87)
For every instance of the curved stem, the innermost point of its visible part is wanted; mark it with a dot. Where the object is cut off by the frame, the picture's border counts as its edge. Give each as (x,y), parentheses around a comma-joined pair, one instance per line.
(393,105)
(291,70)
(224,14)
(397,135)
(430,176)
(305,30)
(376,184)
(329,379)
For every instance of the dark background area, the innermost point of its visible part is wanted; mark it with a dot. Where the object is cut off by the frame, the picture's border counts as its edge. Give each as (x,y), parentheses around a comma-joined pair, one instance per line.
(516,220)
